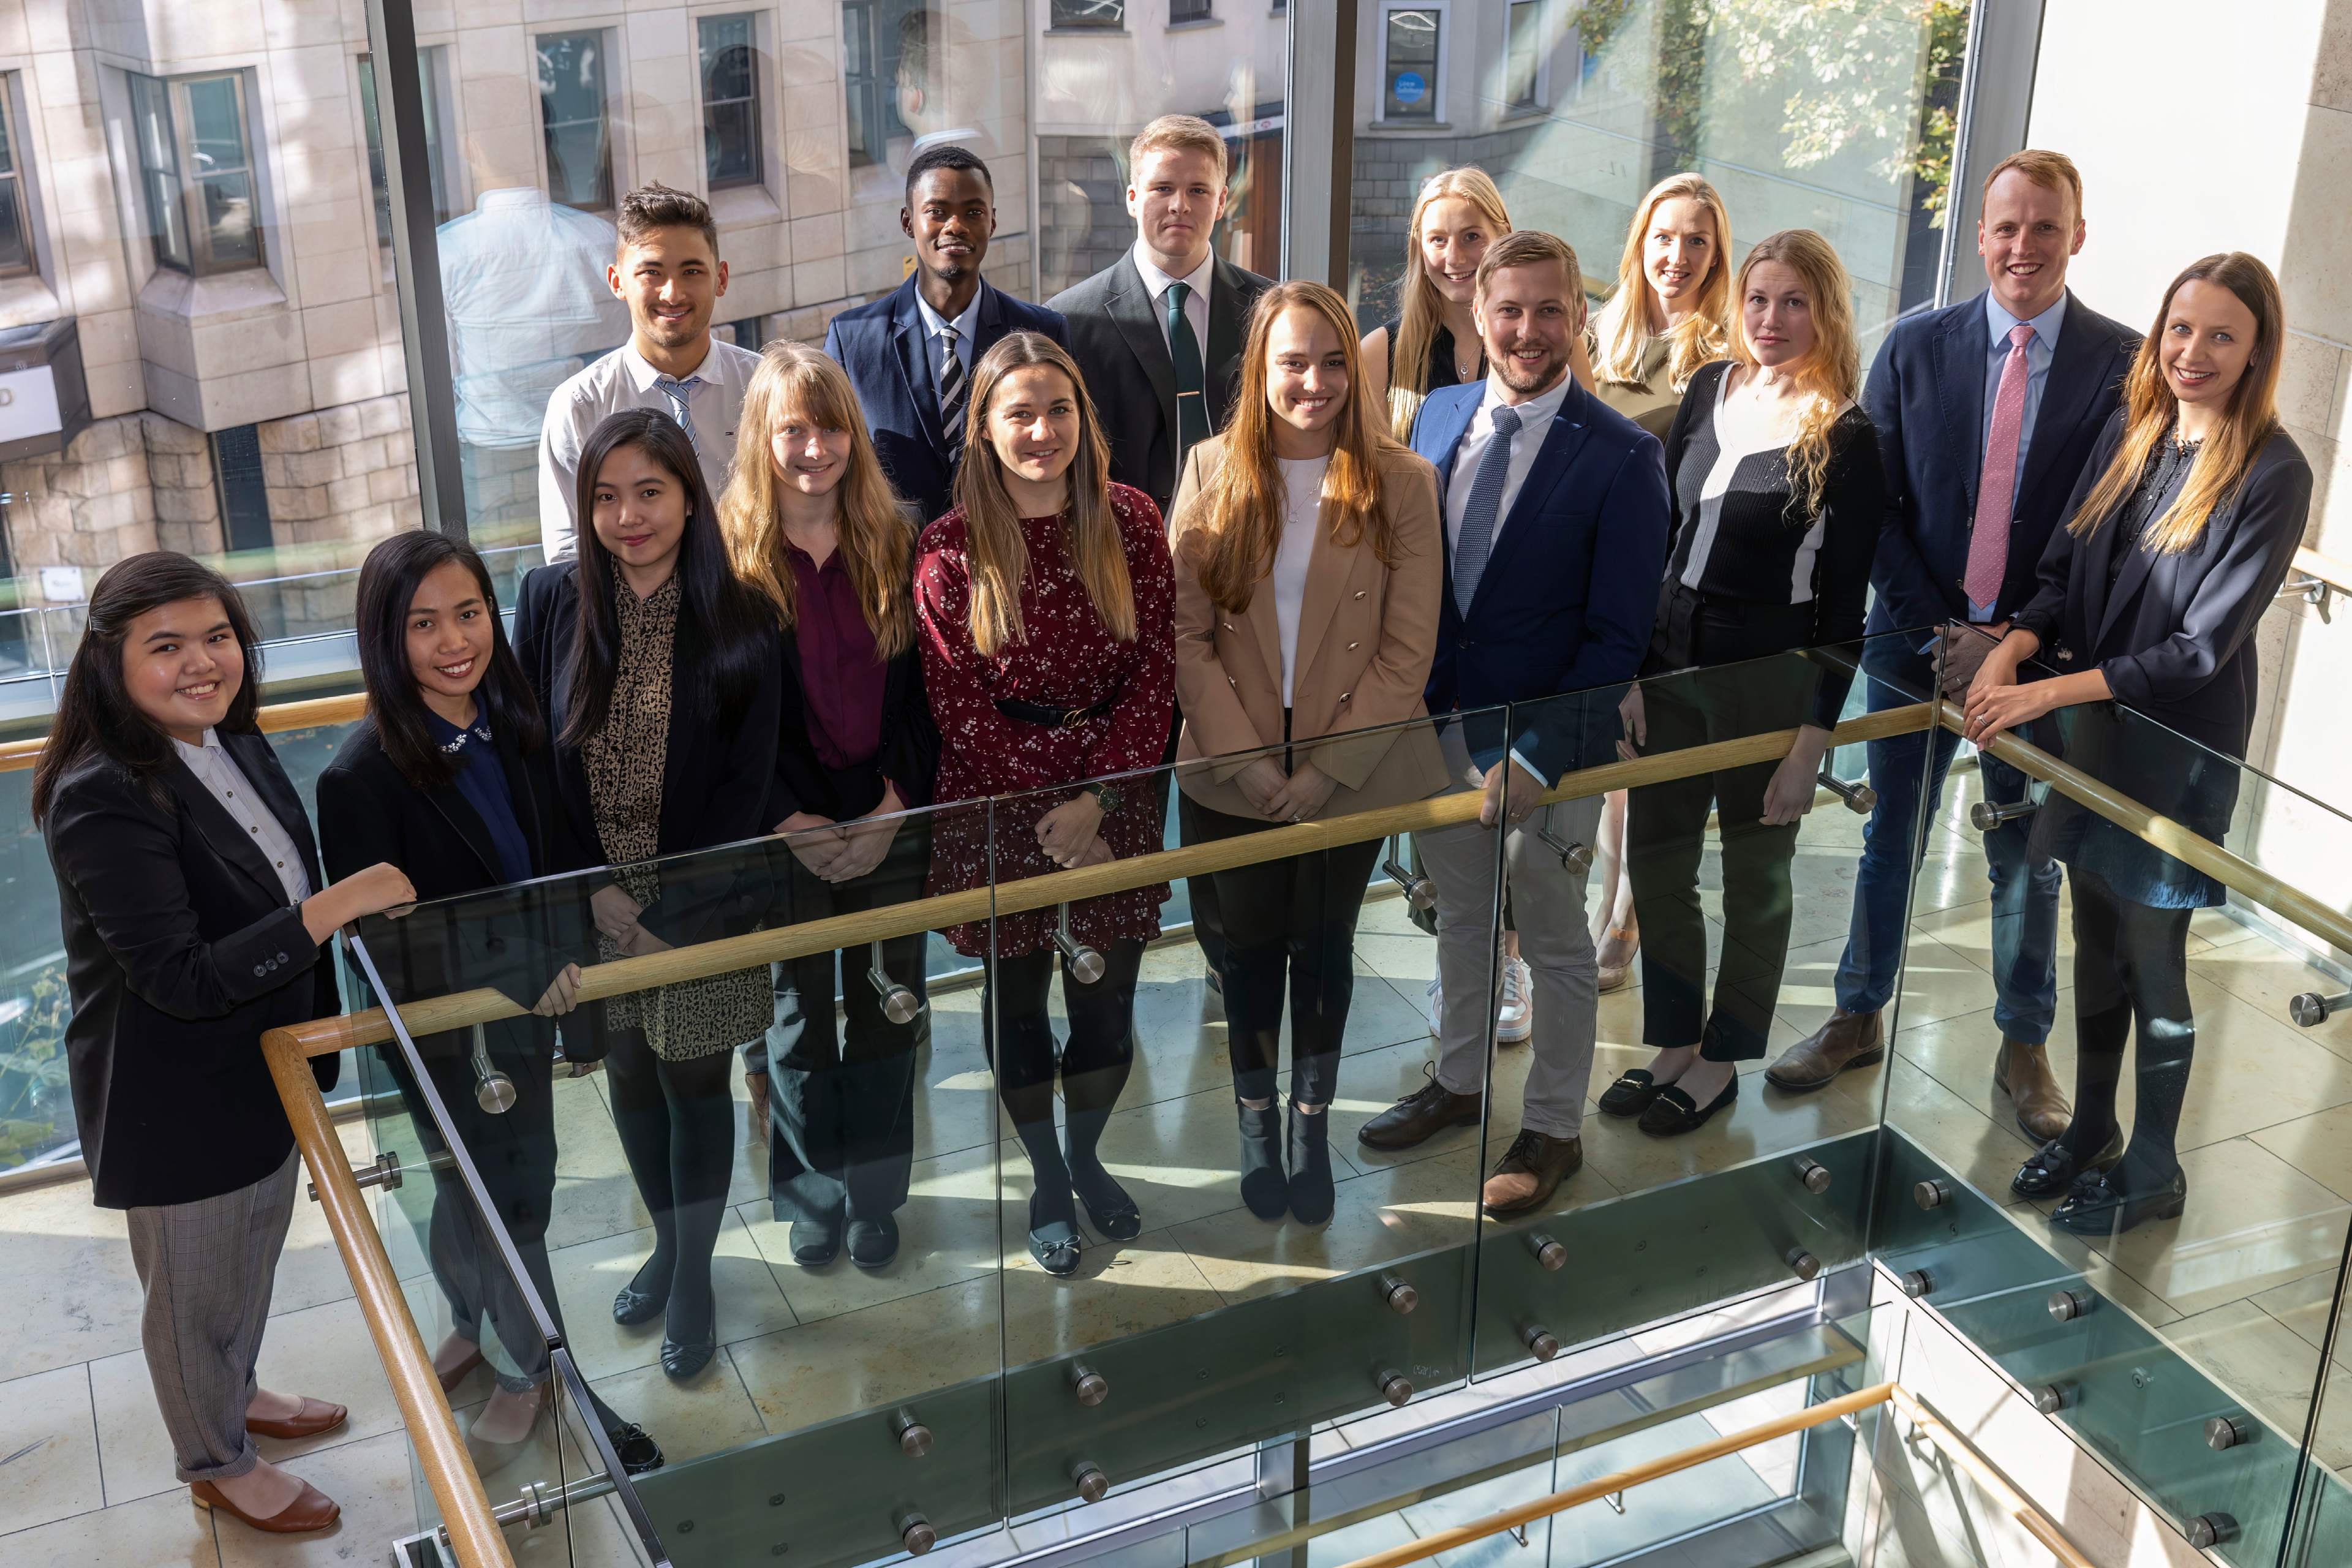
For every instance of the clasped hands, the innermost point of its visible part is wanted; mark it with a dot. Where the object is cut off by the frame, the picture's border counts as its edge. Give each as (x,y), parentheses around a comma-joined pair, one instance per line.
(616,917)
(1278,796)
(843,851)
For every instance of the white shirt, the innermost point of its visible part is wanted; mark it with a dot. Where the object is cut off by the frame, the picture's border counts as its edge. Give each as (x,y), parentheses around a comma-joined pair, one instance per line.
(219,772)
(1302,481)
(1534,422)
(1196,303)
(935,326)
(623,379)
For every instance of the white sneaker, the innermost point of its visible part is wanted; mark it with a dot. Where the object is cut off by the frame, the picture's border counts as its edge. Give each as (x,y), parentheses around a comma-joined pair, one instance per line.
(1436,1008)
(1515,1020)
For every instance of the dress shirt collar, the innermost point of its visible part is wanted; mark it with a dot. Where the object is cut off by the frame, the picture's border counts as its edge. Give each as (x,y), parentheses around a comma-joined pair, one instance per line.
(642,374)
(964,324)
(1534,414)
(194,755)
(1156,281)
(2045,325)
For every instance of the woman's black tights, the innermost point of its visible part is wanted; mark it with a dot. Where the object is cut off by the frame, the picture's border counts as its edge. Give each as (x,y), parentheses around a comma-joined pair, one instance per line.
(2131,967)
(1094,1064)
(677,1122)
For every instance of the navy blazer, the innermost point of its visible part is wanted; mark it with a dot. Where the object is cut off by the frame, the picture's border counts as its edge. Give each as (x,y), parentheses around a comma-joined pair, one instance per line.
(1926,396)
(881,345)
(1569,595)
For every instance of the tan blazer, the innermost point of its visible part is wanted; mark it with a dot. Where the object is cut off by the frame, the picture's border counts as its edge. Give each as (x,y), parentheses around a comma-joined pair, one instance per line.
(1367,635)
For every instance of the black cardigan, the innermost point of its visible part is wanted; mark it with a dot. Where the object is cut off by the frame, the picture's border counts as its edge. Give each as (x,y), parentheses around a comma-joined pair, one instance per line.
(908,757)
(181,950)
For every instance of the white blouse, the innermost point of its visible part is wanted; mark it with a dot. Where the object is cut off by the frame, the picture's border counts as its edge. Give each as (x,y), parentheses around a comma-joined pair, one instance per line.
(1303,482)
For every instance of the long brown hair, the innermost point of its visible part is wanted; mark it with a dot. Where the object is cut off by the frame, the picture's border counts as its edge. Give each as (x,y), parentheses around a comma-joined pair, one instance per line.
(1828,377)
(1242,510)
(2249,419)
(1000,556)
(1622,328)
(1423,308)
(877,539)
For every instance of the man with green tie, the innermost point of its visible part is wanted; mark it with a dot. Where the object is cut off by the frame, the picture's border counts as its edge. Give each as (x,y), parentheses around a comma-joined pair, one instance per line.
(1157,334)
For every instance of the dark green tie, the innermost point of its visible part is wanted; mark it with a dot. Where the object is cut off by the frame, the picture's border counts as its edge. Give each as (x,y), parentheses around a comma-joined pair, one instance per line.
(1184,354)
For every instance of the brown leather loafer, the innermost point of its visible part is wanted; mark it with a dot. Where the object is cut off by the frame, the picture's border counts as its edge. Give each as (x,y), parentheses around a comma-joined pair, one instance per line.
(2022,1074)
(315,1416)
(1421,1116)
(1847,1040)
(1529,1172)
(313,1510)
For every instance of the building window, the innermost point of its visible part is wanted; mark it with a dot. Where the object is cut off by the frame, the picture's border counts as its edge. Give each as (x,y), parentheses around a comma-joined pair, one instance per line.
(1112,13)
(730,102)
(572,113)
(428,80)
(1409,62)
(16,212)
(1187,11)
(869,73)
(195,169)
(1523,57)
(244,495)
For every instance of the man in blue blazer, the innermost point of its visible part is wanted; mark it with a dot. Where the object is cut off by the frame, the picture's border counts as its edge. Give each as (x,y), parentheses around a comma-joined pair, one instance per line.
(1556,523)
(1985,412)
(911,354)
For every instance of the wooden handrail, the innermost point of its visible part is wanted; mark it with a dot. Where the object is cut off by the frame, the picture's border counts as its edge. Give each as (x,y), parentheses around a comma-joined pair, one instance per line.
(307,714)
(2336,573)
(1966,1455)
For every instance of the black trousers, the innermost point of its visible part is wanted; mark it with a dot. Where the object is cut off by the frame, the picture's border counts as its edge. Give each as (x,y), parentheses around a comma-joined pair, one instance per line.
(1290,926)
(841,1097)
(1201,892)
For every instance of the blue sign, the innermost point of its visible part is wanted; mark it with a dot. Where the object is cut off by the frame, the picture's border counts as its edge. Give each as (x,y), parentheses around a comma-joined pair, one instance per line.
(1409,87)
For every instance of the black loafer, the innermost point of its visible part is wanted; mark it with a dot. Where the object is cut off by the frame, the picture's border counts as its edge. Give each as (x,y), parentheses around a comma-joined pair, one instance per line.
(1630,1095)
(1056,1246)
(681,1359)
(635,1304)
(2051,1169)
(873,1242)
(1674,1113)
(2096,1206)
(1108,1208)
(815,1243)
(637,1452)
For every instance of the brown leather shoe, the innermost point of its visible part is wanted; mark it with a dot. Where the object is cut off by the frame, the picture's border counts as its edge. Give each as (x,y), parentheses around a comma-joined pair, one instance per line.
(1847,1040)
(1421,1116)
(2022,1072)
(315,1416)
(312,1509)
(1530,1170)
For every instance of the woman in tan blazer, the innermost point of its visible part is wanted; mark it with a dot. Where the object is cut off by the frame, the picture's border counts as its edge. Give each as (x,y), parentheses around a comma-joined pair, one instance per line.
(1308,568)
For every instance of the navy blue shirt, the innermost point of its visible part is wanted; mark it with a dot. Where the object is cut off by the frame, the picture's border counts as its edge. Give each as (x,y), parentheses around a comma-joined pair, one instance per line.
(482,780)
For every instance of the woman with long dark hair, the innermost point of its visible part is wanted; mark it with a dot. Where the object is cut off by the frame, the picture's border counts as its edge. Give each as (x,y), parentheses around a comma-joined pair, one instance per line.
(812,523)
(2184,525)
(196,917)
(660,673)
(1303,528)
(1044,599)
(450,778)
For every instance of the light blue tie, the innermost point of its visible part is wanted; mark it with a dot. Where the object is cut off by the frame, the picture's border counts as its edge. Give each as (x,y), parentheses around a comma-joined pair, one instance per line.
(1478,515)
(676,391)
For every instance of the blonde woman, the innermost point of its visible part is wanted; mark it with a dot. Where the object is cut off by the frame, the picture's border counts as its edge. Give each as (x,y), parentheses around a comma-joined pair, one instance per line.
(812,523)
(1777,495)
(1043,599)
(2184,525)
(1433,342)
(1307,528)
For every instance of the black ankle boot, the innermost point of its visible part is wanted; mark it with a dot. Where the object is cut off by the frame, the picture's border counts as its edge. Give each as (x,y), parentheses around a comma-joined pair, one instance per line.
(1311,1165)
(1264,1187)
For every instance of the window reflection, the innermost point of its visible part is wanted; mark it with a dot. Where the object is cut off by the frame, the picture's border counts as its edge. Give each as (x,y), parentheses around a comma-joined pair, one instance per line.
(573,117)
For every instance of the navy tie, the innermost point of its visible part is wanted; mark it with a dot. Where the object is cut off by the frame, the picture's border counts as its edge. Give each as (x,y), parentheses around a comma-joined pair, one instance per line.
(1470,551)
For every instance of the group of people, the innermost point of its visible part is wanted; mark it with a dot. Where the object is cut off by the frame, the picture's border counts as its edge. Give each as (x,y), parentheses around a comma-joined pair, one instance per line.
(979,550)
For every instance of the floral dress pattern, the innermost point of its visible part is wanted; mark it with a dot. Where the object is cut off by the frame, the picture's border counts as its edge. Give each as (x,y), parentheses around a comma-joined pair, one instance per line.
(1068,659)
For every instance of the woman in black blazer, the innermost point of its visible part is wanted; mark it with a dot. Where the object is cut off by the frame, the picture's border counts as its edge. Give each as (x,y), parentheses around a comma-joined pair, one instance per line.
(660,673)
(185,877)
(811,521)
(450,777)
(2182,530)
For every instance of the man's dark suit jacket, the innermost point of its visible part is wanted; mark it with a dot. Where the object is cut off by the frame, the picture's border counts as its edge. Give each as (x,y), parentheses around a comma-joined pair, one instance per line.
(1117,340)
(1567,599)
(882,346)
(1926,396)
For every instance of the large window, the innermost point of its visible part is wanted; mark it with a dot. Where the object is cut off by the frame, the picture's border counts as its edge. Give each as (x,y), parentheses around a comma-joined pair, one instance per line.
(1409,41)
(574,118)
(730,101)
(1181,11)
(196,175)
(869,70)
(1523,56)
(429,73)
(1110,12)
(16,211)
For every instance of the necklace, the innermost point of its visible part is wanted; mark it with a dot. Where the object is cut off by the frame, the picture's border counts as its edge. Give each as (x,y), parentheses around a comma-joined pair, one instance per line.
(477,731)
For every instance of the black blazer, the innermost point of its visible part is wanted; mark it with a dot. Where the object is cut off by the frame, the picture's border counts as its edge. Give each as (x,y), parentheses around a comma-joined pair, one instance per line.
(1116,337)
(515,943)
(1926,396)
(181,950)
(882,346)
(717,774)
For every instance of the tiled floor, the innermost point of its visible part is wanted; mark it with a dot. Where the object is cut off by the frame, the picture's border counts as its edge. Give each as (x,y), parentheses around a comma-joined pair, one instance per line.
(2241,1282)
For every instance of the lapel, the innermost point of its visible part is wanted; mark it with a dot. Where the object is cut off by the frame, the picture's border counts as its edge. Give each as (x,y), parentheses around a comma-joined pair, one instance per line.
(220,830)
(1222,354)
(526,808)
(2067,397)
(1563,439)
(1130,308)
(571,770)
(2127,584)
(451,803)
(912,345)
(987,322)
(1329,570)
(1959,351)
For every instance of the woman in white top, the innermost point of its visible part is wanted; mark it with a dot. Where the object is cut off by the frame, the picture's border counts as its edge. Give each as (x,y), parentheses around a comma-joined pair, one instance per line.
(1306,601)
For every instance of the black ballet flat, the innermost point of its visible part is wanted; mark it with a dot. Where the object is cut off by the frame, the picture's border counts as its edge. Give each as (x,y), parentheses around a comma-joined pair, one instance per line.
(1674,1113)
(1108,1208)
(2051,1169)
(682,1359)
(637,1452)
(2096,1205)
(1630,1095)
(1057,1246)
(634,1304)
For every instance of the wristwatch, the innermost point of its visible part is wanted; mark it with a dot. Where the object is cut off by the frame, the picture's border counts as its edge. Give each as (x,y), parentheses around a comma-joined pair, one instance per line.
(1106,795)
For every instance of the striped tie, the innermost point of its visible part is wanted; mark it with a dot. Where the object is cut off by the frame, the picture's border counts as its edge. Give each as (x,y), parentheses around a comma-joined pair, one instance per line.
(677,392)
(1477,538)
(952,391)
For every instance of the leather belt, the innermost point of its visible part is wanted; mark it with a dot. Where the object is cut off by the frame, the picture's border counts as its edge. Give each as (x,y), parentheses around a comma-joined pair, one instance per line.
(1050,717)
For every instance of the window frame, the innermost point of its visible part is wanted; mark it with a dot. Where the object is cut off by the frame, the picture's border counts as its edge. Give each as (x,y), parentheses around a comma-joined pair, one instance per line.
(1110,17)
(870,98)
(608,177)
(197,258)
(1538,86)
(1194,12)
(751,101)
(431,63)
(1441,15)
(17,178)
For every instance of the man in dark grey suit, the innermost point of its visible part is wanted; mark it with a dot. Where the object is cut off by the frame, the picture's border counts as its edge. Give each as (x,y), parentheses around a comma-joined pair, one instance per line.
(1159,336)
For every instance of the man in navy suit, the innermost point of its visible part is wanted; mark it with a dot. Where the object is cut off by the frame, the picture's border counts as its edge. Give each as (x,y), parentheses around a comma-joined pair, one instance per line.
(911,354)
(1556,524)
(1986,412)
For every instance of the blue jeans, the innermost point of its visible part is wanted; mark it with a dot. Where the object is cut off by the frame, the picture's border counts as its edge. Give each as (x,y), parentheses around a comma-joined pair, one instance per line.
(2024,890)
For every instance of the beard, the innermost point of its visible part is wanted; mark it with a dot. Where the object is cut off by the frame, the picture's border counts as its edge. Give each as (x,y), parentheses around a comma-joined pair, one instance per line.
(1524,379)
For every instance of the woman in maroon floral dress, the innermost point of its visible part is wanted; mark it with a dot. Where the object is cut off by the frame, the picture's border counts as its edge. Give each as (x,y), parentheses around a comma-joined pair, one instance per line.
(1045,600)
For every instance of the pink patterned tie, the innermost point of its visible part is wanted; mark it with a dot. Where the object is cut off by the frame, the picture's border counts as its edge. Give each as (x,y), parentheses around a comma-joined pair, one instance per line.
(1996,485)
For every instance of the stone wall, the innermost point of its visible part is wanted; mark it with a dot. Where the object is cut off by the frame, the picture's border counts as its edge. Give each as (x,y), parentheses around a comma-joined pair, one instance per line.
(342,473)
